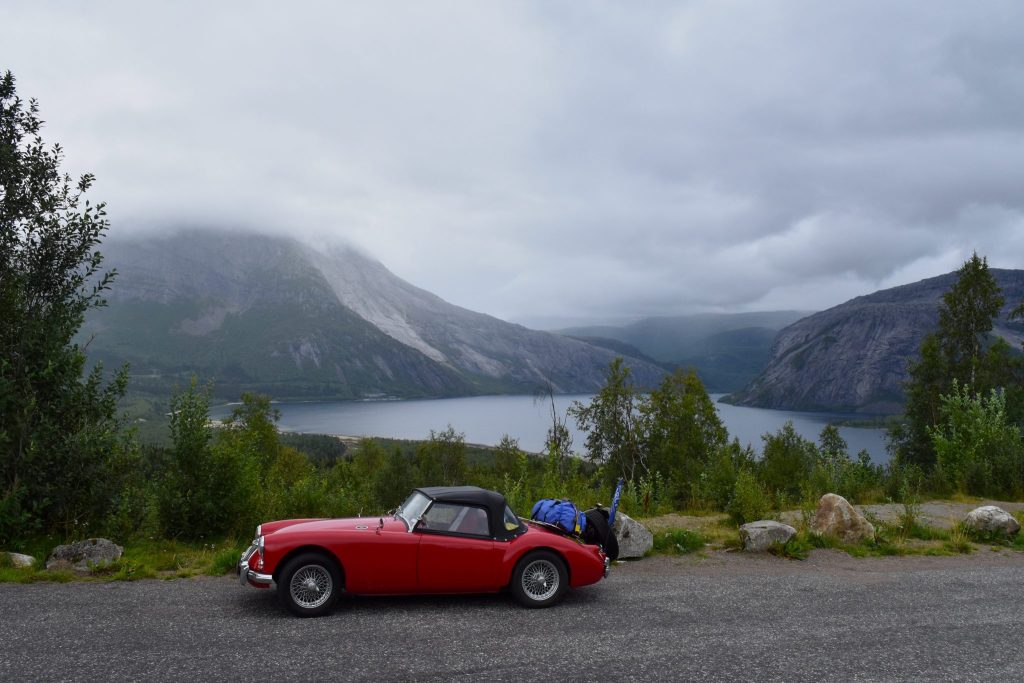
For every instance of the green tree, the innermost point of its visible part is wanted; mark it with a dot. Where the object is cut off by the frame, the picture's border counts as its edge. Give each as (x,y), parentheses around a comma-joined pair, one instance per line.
(786,462)
(442,459)
(683,431)
(396,479)
(211,485)
(507,457)
(614,424)
(959,350)
(717,482)
(965,318)
(62,447)
(833,452)
(252,428)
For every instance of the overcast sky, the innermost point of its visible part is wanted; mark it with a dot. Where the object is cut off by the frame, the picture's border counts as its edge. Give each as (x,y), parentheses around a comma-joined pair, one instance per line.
(551,162)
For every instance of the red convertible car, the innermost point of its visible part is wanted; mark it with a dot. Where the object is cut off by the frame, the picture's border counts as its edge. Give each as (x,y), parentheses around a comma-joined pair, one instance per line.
(459,539)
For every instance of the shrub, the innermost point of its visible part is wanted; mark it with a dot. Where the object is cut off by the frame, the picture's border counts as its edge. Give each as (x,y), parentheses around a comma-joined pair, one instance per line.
(750,502)
(977,448)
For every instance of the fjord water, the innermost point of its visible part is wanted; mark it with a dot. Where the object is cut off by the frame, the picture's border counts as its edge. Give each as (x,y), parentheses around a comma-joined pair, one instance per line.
(484,419)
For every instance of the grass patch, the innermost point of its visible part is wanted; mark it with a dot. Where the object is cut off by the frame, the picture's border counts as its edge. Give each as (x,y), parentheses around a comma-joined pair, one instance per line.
(677,542)
(959,540)
(796,548)
(714,529)
(142,559)
(925,532)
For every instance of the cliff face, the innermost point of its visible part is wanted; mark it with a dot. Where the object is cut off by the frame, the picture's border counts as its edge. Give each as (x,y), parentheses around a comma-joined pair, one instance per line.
(854,357)
(269,314)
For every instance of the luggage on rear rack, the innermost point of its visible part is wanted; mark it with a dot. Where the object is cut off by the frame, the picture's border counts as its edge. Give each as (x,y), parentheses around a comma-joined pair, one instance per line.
(560,513)
(591,526)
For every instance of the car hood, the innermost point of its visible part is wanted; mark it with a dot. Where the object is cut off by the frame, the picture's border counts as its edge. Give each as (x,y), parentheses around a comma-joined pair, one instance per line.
(334,525)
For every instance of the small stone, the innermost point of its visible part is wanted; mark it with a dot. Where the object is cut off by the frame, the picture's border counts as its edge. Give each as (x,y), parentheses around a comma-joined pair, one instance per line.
(759,536)
(990,519)
(633,537)
(835,517)
(84,556)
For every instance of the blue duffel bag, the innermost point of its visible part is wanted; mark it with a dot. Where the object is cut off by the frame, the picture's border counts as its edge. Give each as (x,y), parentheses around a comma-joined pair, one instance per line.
(561,513)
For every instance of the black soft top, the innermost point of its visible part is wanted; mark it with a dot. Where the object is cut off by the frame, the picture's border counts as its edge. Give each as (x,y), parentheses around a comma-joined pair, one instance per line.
(492,501)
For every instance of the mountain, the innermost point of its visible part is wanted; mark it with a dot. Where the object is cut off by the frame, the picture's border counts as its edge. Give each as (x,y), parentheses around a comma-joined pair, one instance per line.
(854,357)
(727,349)
(269,314)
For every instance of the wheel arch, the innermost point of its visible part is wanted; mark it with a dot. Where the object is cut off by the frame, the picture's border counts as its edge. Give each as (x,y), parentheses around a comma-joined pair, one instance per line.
(554,551)
(317,549)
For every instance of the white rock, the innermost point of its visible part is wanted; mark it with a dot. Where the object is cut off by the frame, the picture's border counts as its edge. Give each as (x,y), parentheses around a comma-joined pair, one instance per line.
(759,536)
(19,560)
(633,537)
(835,517)
(990,519)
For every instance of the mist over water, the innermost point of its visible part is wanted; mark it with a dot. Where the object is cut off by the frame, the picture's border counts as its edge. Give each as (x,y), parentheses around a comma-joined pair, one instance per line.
(485,419)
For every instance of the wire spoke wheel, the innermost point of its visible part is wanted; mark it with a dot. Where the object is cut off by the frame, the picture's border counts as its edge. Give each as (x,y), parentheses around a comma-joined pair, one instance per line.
(540,580)
(311,586)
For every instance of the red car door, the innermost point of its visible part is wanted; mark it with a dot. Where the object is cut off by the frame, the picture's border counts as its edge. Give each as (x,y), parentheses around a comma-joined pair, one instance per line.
(456,552)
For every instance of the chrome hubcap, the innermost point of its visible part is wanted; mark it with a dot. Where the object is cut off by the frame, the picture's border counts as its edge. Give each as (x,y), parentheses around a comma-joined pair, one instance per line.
(540,580)
(311,586)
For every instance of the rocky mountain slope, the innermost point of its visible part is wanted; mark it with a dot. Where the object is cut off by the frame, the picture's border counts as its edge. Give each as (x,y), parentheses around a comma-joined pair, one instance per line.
(854,357)
(262,313)
(727,349)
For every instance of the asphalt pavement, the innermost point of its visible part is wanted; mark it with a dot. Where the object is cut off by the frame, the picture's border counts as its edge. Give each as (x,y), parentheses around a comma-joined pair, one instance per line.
(725,617)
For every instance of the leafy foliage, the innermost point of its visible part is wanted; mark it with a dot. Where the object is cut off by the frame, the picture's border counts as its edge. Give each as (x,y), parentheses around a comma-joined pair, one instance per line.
(979,451)
(59,425)
(209,485)
(750,502)
(960,351)
(614,424)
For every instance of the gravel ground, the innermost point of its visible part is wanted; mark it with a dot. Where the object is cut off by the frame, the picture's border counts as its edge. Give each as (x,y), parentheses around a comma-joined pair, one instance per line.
(726,616)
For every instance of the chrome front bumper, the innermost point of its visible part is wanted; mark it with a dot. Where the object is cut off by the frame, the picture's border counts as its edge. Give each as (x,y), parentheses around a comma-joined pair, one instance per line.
(246,574)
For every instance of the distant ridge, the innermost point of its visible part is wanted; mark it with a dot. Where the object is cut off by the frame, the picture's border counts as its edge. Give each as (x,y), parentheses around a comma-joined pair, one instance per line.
(269,314)
(854,357)
(727,349)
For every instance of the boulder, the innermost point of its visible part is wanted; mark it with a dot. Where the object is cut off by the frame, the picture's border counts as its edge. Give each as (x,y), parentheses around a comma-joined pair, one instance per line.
(759,536)
(84,556)
(19,560)
(990,519)
(835,517)
(633,537)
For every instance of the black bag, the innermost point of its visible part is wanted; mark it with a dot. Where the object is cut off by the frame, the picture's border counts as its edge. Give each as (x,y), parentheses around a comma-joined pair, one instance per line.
(598,533)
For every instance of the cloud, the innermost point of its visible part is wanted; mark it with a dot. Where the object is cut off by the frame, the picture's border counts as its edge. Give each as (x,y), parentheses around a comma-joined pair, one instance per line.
(558,159)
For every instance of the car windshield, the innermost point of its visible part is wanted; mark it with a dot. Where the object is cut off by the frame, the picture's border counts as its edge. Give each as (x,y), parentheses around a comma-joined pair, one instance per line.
(412,509)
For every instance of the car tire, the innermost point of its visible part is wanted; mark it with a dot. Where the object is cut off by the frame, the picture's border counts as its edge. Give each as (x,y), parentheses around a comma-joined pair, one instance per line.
(540,579)
(309,585)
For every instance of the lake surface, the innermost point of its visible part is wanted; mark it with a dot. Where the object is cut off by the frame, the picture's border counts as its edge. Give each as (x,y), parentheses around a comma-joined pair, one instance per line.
(484,419)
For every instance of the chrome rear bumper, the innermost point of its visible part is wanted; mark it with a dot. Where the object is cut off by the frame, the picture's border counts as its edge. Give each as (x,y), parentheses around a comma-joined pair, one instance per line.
(607,567)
